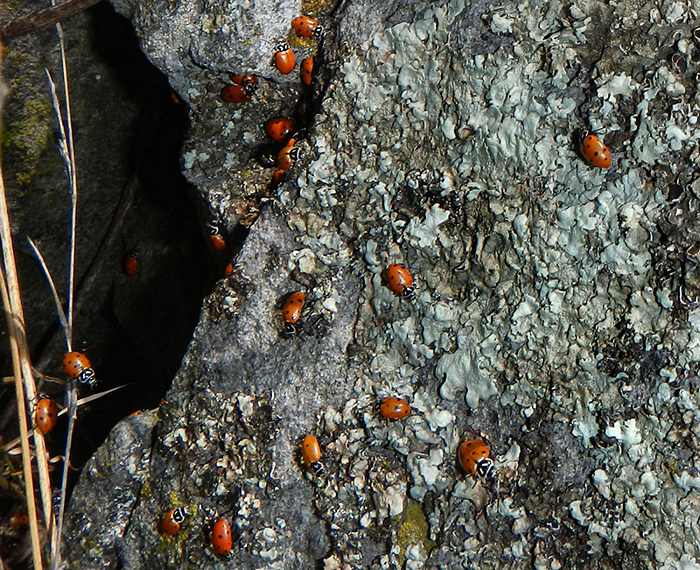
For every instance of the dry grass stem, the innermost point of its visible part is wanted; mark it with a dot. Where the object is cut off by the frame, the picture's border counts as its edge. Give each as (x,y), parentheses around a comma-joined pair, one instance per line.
(52,286)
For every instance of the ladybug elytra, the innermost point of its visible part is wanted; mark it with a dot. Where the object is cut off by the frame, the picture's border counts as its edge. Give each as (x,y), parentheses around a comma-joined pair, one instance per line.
(285,60)
(310,450)
(307,27)
(307,70)
(279,128)
(394,408)
(45,414)
(292,312)
(594,151)
(222,537)
(400,280)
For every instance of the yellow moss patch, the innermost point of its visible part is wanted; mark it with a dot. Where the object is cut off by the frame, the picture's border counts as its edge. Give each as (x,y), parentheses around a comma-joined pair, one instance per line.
(27,135)
(413,530)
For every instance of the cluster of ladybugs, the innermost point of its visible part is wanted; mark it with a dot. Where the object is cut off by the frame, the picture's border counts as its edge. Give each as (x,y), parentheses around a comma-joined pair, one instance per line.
(221,532)
(473,454)
(77,367)
(282,130)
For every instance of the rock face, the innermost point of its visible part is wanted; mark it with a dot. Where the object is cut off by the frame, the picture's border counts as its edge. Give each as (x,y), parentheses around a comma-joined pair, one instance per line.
(555,315)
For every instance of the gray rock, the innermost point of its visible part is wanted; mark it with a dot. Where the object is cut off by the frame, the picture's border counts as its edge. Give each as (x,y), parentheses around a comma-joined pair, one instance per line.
(554,315)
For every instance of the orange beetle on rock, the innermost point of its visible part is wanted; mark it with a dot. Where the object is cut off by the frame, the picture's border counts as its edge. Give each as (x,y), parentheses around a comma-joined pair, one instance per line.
(171,523)
(284,58)
(307,70)
(222,537)
(307,27)
(400,280)
(473,455)
(394,408)
(292,313)
(594,151)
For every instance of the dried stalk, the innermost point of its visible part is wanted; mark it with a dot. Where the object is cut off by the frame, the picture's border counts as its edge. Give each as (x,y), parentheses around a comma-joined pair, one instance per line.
(71,392)
(14,332)
(41,19)
(9,290)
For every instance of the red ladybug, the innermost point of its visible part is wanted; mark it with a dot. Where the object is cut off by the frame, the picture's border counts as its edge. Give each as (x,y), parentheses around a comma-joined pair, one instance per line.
(131,265)
(400,280)
(234,94)
(285,60)
(292,312)
(594,151)
(277,177)
(228,270)
(307,70)
(217,242)
(222,537)
(171,523)
(78,367)
(394,408)
(310,450)
(45,414)
(279,128)
(287,155)
(248,82)
(307,27)
(474,458)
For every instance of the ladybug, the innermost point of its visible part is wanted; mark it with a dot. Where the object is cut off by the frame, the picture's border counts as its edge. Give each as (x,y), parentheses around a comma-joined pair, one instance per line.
(228,270)
(216,240)
(248,82)
(474,458)
(131,265)
(285,60)
(277,177)
(291,312)
(400,280)
(394,408)
(222,537)
(45,414)
(307,70)
(234,94)
(287,155)
(78,367)
(279,128)
(307,27)
(594,151)
(171,523)
(311,452)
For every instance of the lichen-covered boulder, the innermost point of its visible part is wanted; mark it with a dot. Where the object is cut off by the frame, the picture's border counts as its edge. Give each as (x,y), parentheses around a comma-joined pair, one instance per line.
(554,314)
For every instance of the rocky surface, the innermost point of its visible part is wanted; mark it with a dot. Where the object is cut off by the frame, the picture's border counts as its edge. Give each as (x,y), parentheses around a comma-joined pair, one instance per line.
(555,314)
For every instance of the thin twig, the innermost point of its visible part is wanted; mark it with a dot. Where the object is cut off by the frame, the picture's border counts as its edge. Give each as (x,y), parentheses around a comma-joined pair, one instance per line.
(71,392)
(52,286)
(22,417)
(41,19)
(73,184)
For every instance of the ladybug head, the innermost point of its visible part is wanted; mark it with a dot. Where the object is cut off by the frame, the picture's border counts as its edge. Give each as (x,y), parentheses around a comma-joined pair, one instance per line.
(282,46)
(213,228)
(319,32)
(249,88)
(295,154)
